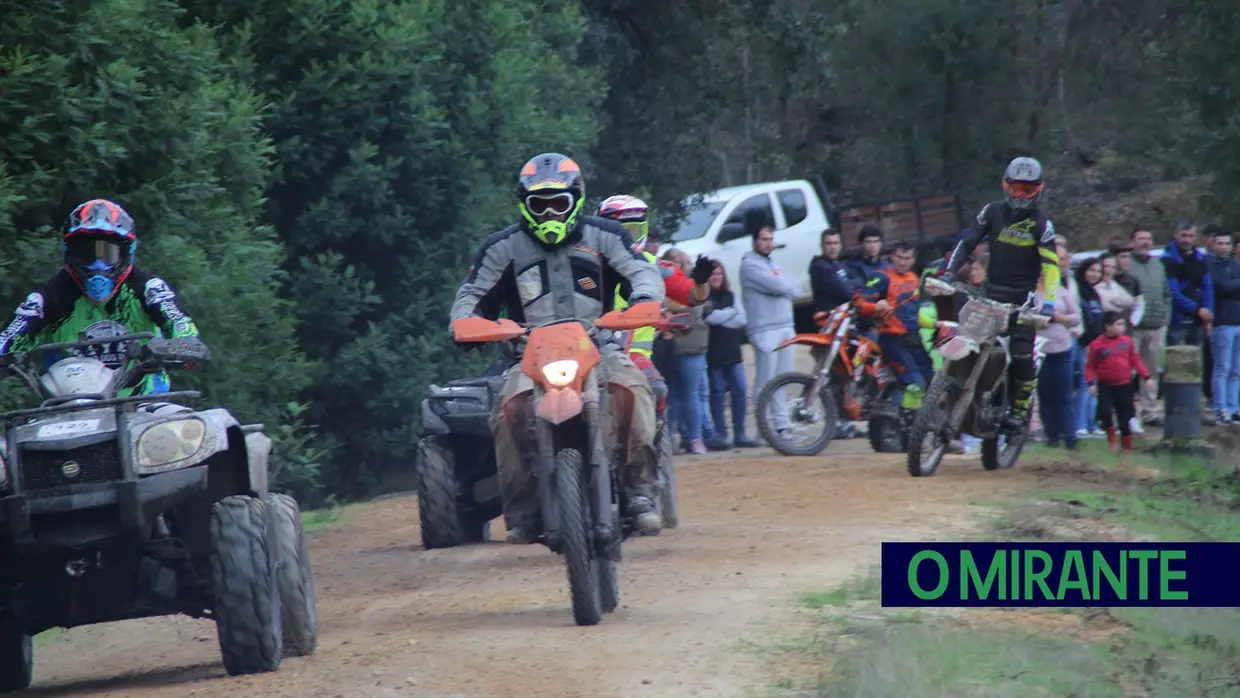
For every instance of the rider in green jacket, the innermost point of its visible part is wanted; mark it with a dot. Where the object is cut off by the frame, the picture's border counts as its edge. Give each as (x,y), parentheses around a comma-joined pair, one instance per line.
(101,293)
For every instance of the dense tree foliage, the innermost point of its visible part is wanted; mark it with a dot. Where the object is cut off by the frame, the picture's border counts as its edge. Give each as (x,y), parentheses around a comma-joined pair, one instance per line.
(314,175)
(110,98)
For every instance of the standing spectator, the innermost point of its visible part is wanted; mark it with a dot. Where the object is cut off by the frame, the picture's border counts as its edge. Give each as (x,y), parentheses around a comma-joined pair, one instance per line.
(1192,295)
(1151,329)
(1108,370)
(833,284)
(1113,294)
(868,265)
(654,240)
(695,407)
(667,361)
(768,295)
(1055,380)
(1225,339)
(830,280)
(1088,274)
(1121,250)
(723,358)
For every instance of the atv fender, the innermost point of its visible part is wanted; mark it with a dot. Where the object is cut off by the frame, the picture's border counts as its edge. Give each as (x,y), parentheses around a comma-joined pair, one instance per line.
(258,455)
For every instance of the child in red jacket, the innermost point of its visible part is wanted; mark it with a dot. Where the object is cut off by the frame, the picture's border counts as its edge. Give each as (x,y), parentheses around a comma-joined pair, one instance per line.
(1109,366)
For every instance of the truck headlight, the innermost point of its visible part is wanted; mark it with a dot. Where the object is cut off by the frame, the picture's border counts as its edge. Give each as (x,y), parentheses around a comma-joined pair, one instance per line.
(170,441)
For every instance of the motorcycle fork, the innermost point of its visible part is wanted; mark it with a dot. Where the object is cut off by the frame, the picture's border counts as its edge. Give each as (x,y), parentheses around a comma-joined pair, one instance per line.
(966,394)
(544,467)
(599,487)
(822,370)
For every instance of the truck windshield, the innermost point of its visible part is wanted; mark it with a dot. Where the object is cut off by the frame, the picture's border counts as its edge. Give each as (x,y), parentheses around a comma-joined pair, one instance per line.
(697,219)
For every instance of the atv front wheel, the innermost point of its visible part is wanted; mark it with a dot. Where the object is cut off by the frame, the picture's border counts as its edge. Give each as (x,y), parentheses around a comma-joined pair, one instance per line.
(294,578)
(16,661)
(438,491)
(575,543)
(247,603)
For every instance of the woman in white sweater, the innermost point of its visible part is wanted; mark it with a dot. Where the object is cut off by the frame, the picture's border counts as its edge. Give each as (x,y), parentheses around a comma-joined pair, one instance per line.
(1055,403)
(1115,297)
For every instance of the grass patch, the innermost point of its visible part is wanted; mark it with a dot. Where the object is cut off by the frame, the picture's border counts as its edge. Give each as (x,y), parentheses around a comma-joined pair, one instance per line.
(1052,652)
(329,515)
(49,637)
(863,588)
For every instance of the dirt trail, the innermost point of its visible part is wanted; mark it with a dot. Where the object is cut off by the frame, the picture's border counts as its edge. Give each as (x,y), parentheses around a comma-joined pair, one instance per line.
(493,621)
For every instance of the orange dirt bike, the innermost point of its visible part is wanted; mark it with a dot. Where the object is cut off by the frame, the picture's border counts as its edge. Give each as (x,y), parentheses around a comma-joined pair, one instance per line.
(583,507)
(849,378)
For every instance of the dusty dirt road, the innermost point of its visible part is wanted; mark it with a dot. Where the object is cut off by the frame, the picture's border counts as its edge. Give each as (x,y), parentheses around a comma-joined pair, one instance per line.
(492,621)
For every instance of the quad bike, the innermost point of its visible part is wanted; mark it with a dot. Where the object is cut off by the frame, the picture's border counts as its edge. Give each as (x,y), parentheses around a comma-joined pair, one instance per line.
(457,480)
(969,394)
(584,513)
(850,377)
(113,508)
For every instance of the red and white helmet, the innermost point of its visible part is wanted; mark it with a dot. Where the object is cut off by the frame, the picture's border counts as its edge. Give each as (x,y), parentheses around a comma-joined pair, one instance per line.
(631,212)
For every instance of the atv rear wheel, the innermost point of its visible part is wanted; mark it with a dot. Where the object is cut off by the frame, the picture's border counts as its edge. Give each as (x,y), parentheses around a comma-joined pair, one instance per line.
(247,602)
(16,662)
(669,507)
(438,491)
(294,578)
(575,543)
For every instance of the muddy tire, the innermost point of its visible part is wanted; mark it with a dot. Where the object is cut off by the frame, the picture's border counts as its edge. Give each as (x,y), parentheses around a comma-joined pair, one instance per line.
(16,662)
(575,544)
(668,505)
(294,578)
(884,434)
(608,585)
(928,423)
(247,603)
(437,496)
(796,382)
(994,458)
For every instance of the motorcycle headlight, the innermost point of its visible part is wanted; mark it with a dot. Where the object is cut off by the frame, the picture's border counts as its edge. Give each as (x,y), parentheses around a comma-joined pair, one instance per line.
(560,373)
(170,441)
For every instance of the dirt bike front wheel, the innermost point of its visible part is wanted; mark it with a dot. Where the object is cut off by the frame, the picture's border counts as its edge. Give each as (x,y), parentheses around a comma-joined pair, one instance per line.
(575,544)
(926,443)
(804,413)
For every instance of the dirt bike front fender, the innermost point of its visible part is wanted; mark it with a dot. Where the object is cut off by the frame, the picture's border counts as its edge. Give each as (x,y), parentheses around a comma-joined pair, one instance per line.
(813,340)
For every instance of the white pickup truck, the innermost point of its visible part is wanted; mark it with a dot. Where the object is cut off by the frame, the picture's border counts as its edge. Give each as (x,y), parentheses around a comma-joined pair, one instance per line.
(715,225)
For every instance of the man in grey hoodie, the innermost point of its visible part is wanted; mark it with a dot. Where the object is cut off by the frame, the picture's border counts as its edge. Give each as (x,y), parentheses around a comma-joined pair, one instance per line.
(1151,330)
(768,295)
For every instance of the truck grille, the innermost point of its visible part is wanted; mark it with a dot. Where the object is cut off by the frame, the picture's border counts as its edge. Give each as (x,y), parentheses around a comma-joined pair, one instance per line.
(96,463)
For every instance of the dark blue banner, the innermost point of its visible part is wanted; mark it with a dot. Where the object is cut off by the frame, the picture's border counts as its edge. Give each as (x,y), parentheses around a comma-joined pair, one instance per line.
(1061,574)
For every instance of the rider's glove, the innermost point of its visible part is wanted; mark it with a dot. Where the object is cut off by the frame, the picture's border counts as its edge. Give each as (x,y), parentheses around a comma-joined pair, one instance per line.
(702,270)
(945,276)
(1048,309)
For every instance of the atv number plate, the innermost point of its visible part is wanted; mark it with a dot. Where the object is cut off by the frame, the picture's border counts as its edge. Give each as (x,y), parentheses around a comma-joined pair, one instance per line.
(79,426)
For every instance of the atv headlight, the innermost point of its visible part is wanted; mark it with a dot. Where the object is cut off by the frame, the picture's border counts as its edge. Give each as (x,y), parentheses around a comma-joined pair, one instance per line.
(170,441)
(560,373)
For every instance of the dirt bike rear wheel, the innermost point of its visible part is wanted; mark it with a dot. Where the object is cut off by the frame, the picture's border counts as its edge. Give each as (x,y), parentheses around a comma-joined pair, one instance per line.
(928,424)
(994,458)
(825,398)
(886,435)
(575,545)
(669,507)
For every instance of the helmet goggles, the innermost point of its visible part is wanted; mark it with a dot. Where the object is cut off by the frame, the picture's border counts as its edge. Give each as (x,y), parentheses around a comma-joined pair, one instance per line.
(549,204)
